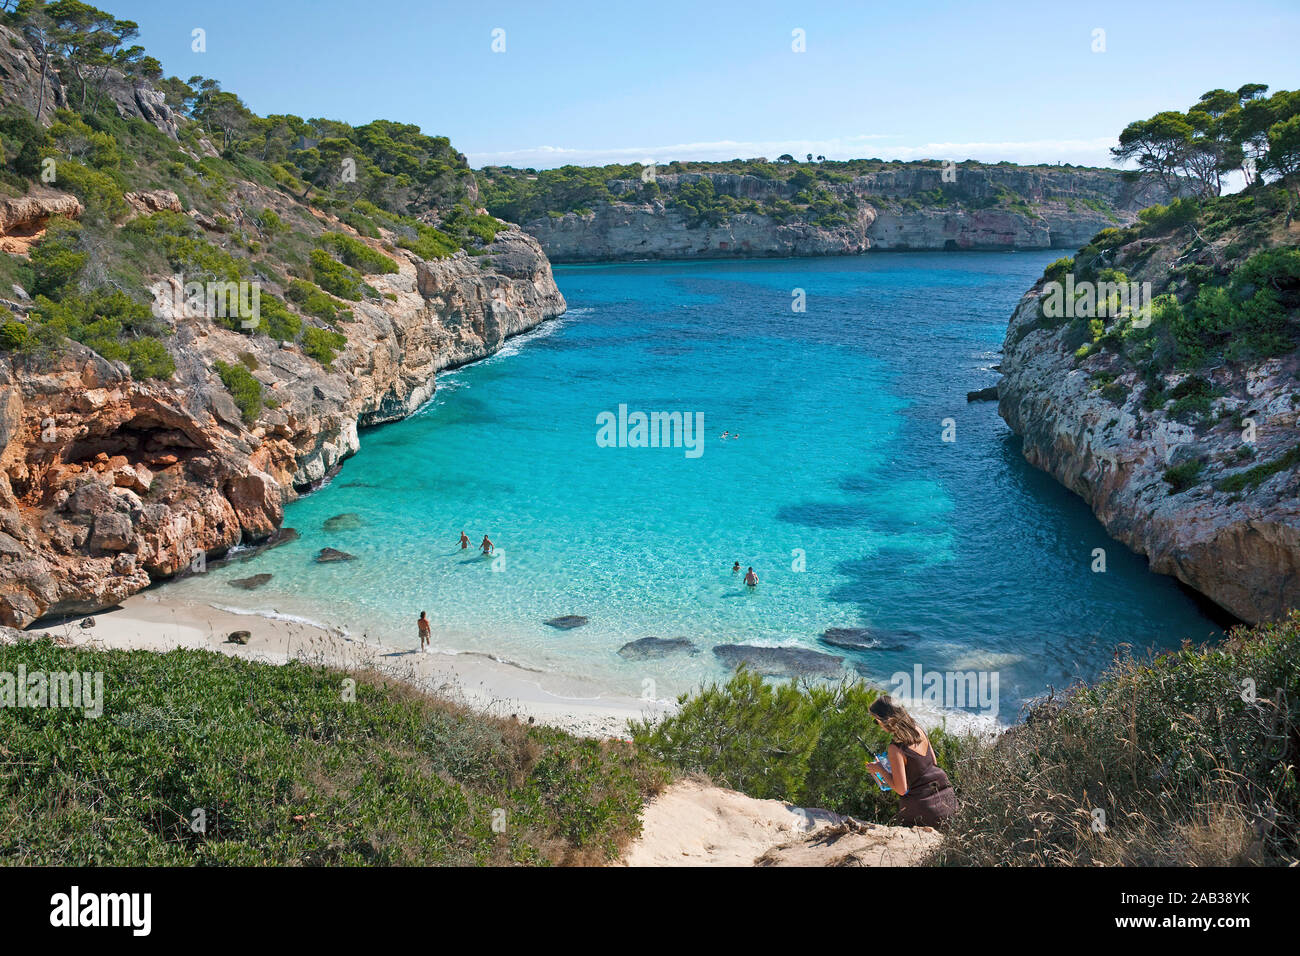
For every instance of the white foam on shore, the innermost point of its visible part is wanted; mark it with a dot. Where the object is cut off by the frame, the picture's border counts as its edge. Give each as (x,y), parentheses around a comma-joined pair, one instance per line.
(278,616)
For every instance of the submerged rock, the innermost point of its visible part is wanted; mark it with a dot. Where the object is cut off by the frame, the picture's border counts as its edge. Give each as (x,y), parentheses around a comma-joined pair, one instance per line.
(780,661)
(329,555)
(343,522)
(249,583)
(279,537)
(568,622)
(651,648)
(864,638)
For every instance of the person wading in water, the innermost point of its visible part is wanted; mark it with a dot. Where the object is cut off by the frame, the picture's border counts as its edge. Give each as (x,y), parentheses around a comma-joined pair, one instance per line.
(423,623)
(464,541)
(925,795)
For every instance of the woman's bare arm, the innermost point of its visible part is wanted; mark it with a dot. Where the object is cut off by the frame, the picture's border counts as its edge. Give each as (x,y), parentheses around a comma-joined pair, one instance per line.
(899,766)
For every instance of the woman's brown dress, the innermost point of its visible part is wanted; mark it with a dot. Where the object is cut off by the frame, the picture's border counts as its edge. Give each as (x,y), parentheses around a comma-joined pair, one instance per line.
(930,799)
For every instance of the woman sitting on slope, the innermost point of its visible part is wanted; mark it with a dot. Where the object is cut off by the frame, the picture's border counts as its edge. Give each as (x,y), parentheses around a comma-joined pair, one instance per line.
(925,795)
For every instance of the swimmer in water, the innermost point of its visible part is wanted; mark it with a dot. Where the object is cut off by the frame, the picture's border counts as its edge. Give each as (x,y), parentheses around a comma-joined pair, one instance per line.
(464,541)
(735,568)
(487,545)
(751,579)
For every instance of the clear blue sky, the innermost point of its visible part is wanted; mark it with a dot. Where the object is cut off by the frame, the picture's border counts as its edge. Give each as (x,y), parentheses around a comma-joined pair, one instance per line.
(614,81)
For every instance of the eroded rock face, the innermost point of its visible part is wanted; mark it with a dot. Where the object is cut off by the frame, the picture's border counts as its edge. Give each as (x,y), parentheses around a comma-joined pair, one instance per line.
(1240,549)
(107,484)
(23,218)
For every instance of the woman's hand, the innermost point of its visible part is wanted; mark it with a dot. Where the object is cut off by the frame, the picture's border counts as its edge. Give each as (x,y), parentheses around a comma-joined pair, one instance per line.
(873,766)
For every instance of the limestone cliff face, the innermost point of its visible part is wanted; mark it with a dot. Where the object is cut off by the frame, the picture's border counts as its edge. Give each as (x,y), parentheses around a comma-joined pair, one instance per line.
(624,231)
(1241,549)
(1059,207)
(108,484)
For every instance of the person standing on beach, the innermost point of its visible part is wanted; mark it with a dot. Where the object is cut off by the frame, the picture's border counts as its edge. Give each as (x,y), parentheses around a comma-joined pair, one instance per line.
(751,579)
(423,624)
(487,545)
(464,541)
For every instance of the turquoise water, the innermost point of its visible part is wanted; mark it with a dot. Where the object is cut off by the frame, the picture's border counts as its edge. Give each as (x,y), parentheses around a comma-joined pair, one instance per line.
(983,561)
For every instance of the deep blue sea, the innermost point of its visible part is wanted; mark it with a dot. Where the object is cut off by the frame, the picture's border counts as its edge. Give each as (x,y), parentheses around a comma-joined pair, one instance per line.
(839,490)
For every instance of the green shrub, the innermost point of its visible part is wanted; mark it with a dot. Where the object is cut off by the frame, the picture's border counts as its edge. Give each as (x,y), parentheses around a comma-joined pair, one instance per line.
(14,335)
(149,358)
(57,261)
(113,324)
(357,254)
(1254,477)
(335,277)
(244,388)
(313,301)
(1184,476)
(322,344)
(806,745)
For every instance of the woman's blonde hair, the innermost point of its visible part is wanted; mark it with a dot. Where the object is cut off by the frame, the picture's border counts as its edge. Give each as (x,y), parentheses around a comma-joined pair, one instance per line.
(897,722)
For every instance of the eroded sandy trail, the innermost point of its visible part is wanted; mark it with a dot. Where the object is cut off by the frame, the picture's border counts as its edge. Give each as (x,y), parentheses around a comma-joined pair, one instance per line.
(695,824)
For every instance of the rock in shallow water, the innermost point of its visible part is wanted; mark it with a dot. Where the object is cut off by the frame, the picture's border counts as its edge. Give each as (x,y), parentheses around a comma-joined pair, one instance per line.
(277,538)
(865,638)
(343,522)
(568,622)
(249,583)
(780,661)
(329,555)
(651,648)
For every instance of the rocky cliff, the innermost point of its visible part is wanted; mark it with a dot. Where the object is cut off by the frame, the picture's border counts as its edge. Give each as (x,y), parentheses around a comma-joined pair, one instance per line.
(1195,467)
(905,207)
(108,484)
(112,479)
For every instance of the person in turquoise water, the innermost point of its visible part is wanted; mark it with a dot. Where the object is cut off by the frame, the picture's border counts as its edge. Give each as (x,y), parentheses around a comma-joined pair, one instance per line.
(751,579)
(735,568)
(423,625)
(464,541)
(487,545)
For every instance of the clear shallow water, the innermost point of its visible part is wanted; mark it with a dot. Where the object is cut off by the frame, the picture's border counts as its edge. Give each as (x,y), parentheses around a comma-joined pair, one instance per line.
(982,560)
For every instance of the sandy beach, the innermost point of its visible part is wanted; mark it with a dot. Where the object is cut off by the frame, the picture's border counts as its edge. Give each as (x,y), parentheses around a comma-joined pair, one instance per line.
(153,622)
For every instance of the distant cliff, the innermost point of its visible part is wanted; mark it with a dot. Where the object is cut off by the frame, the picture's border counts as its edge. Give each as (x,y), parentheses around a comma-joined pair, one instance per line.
(757,209)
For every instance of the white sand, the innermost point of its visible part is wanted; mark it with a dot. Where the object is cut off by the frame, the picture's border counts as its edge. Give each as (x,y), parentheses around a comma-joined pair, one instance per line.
(695,824)
(149,622)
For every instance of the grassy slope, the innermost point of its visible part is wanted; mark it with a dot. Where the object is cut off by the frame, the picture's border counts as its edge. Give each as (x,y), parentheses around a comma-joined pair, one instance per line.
(289,772)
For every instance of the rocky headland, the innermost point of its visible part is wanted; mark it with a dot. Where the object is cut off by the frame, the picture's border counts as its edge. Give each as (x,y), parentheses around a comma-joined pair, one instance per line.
(1183,436)
(116,472)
